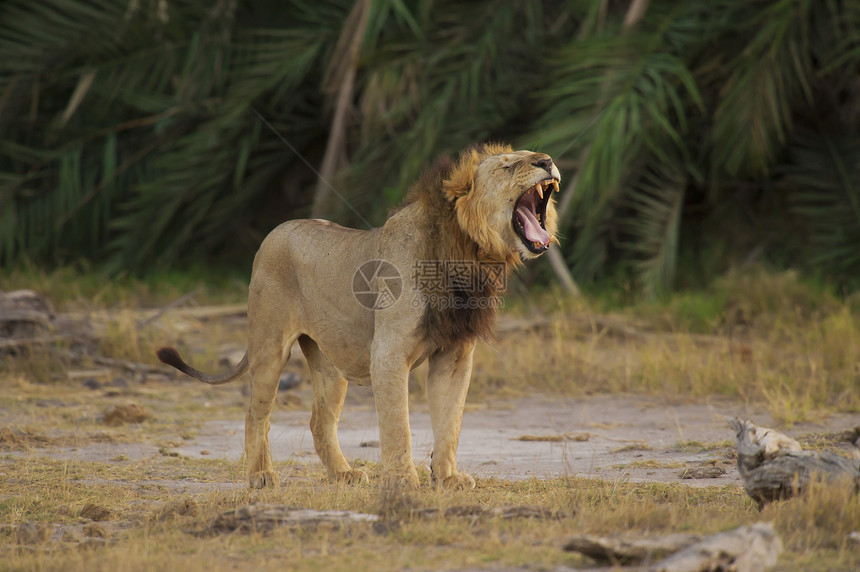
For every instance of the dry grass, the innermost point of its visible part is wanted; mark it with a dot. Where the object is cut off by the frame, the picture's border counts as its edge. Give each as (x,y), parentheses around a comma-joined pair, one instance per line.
(759,337)
(149,523)
(756,337)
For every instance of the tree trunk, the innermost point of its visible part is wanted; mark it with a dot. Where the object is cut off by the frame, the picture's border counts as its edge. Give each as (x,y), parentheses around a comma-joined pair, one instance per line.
(635,13)
(340,80)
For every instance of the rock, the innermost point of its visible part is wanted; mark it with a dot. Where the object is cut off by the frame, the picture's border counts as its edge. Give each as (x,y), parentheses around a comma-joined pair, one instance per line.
(91,383)
(773,466)
(289,380)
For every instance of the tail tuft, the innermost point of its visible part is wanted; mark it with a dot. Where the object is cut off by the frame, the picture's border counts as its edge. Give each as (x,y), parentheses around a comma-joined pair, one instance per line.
(170,356)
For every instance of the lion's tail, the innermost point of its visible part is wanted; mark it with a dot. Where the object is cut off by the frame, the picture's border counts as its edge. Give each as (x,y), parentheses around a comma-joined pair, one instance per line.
(171,357)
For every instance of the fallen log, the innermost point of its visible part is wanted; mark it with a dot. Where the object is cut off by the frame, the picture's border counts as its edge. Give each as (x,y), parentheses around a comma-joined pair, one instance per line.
(24,314)
(746,549)
(774,466)
(478,511)
(616,550)
(267,517)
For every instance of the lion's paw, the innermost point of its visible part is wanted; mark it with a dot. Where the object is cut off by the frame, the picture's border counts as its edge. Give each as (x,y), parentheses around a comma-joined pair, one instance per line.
(351,477)
(263,479)
(403,481)
(456,481)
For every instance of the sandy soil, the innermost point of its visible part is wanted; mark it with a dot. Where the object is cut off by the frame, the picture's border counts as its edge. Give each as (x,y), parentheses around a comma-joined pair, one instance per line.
(610,437)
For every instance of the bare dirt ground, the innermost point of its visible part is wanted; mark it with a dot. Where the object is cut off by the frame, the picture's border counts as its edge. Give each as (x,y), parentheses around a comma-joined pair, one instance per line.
(612,437)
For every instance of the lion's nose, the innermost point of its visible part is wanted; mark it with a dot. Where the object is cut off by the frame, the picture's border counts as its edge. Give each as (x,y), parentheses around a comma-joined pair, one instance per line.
(545,164)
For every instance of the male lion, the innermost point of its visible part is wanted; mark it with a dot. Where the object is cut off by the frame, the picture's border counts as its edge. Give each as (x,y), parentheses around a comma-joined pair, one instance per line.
(473,219)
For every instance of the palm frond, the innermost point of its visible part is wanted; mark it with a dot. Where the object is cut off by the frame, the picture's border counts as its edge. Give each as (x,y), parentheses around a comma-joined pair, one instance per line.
(622,98)
(653,226)
(824,178)
(754,117)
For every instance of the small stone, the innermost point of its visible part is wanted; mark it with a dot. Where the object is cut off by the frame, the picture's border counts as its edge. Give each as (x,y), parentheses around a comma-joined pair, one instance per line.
(92,383)
(289,380)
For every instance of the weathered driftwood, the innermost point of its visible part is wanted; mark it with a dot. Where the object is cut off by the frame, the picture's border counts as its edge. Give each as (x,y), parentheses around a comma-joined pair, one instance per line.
(773,466)
(23,314)
(745,549)
(266,517)
(477,511)
(615,550)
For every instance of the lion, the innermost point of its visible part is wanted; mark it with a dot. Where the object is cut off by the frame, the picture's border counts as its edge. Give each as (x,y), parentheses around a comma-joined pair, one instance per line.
(345,296)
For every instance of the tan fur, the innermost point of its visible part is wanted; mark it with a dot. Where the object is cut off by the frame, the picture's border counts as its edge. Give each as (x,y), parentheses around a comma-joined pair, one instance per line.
(301,290)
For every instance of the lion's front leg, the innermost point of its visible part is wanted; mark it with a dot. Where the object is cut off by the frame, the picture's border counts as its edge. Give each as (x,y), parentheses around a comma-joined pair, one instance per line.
(390,380)
(447,385)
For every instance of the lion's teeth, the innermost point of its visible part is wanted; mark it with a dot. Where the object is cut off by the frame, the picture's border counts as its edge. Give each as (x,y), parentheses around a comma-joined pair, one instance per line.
(539,189)
(555,184)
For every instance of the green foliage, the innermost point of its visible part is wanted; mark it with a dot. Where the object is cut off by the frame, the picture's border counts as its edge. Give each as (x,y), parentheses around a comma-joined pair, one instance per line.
(128,134)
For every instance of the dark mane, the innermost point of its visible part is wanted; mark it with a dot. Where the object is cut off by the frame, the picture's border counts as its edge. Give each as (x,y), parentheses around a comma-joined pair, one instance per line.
(462,289)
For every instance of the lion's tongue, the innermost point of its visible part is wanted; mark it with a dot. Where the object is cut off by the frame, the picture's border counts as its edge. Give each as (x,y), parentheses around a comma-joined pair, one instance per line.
(531,226)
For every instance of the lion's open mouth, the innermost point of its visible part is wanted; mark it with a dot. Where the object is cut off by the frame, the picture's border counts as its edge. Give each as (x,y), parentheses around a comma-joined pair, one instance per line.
(530,216)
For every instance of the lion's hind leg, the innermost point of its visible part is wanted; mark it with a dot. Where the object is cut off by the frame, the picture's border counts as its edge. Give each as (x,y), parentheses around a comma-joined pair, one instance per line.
(329,389)
(268,350)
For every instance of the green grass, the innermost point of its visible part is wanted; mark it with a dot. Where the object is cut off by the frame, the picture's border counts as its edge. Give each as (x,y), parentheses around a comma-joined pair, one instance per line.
(81,287)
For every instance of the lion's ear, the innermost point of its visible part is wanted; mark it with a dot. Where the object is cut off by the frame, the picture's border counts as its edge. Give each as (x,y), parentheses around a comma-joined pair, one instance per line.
(462,178)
